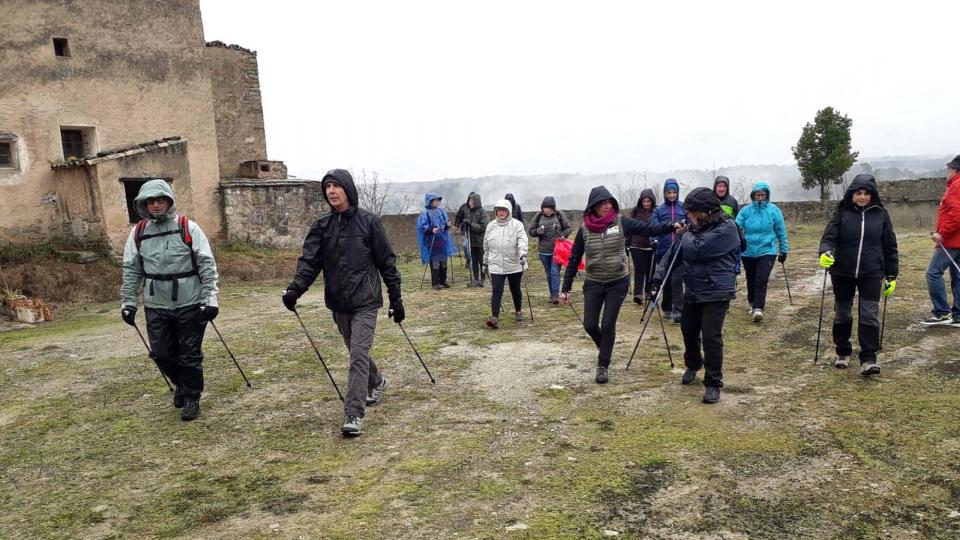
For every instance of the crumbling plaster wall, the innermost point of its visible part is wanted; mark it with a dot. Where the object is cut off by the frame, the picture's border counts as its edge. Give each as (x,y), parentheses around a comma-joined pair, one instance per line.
(237,107)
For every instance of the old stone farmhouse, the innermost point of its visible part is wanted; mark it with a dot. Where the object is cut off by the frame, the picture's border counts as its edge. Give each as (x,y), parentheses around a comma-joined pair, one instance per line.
(96,96)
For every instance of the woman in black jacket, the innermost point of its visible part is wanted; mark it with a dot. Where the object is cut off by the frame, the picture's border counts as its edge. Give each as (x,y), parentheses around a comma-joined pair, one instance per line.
(641,248)
(709,252)
(860,249)
(601,238)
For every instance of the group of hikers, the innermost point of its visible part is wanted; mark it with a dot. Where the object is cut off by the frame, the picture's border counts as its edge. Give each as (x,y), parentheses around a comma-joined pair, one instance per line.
(686,255)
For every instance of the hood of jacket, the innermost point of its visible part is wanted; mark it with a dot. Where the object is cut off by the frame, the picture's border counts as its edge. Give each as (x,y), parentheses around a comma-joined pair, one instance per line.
(721,180)
(548,202)
(151,190)
(505,204)
(647,193)
(598,194)
(671,184)
(513,202)
(760,186)
(344,179)
(429,197)
(861,181)
(477,204)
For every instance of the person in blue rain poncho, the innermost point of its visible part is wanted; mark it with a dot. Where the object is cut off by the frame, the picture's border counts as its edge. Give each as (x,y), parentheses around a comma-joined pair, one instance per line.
(433,237)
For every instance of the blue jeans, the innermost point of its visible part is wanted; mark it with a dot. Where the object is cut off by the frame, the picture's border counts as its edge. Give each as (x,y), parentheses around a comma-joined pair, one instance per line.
(938,292)
(553,272)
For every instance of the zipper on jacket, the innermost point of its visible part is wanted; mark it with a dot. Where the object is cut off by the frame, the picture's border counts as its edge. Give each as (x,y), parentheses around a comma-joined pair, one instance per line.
(863,222)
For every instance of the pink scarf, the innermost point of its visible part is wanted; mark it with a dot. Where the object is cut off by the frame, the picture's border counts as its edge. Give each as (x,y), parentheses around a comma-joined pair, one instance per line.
(599,224)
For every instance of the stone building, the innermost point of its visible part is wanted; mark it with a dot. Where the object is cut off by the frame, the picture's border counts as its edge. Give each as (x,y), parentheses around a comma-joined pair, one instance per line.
(98,95)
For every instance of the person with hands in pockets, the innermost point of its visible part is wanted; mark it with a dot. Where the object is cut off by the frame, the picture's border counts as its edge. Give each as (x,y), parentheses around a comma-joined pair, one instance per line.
(350,246)
(169,257)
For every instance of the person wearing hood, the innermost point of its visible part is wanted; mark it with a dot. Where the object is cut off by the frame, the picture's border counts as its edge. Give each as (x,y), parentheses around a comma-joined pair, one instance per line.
(671,211)
(517,213)
(728,203)
(640,246)
(709,251)
(601,238)
(474,227)
(859,247)
(505,258)
(350,246)
(946,254)
(433,237)
(464,230)
(547,227)
(175,268)
(766,233)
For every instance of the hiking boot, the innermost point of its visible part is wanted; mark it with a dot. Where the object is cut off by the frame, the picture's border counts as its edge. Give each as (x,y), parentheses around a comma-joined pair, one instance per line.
(445,285)
(689,376)
(842,362)
(637,299)
(352,427)
(492,322)
(869,368)
(519,316)
(554,298)
(374,396)
(677,317)
(437,287)
(178,397)
(711,394)
(955,323)
(602,376)
(934,319)
(757,315)
(191,409)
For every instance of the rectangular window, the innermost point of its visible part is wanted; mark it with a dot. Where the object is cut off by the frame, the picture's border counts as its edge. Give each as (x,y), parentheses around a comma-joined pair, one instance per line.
(6,155)
(72,143)
(61,47)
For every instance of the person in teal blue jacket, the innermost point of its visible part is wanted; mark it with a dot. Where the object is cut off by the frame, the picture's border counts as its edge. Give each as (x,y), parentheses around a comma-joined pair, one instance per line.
(762,225)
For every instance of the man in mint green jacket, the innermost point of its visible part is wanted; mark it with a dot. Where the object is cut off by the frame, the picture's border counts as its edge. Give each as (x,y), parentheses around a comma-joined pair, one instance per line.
(168,257)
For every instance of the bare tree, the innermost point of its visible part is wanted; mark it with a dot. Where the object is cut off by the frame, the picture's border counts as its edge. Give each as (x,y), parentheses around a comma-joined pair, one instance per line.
(627,194)
(740,190)
(379,195)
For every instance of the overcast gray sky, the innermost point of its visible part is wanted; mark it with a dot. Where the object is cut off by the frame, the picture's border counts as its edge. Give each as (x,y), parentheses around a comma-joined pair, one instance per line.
(422,90)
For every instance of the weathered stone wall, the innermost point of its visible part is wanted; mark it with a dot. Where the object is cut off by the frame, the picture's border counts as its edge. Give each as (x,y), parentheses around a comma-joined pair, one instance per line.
(237,108)
(273,213)
(136,72)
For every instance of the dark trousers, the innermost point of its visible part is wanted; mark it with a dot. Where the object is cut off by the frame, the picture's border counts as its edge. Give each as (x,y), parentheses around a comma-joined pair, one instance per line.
(642,269)
(176,336)
(703,324)
(868,324)
(758,274)
(476,262)
(438,272)
(357,330)
(671,297)
(516,280)
(609,298)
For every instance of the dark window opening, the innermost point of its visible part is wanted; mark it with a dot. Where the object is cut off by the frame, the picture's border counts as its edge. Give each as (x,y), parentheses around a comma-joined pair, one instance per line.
(131,188)
(72,143)
(6,154)
(61,47)
(264,167)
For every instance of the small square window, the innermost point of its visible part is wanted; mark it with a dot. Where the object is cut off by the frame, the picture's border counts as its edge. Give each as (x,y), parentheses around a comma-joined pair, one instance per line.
(61,47)
(6,155)
(264,167)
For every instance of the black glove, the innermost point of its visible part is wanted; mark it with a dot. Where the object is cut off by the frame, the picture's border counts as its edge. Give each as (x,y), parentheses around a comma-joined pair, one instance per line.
(781,257)
(485,270)
(129,315)
(290,298)
(396,311)
(209,313)
(654,289)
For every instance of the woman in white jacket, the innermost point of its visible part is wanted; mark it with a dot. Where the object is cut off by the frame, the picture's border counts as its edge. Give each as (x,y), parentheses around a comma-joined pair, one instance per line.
(505,258)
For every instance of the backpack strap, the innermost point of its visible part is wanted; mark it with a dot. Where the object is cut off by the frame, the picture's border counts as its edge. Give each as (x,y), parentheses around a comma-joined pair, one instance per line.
(183,231)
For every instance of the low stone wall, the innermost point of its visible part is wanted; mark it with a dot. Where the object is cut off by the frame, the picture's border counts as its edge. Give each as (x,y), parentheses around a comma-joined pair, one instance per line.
(272,212)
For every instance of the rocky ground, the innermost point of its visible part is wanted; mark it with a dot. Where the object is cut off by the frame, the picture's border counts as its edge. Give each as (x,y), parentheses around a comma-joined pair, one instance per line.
(514,440)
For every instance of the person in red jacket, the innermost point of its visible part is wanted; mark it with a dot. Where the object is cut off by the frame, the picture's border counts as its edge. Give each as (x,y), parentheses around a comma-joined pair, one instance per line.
(946,253)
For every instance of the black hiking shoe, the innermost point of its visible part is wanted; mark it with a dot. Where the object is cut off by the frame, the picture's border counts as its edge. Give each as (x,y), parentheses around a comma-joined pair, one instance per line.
(352,427)
(445,285)
(711,394)
(374,396)
(689,376)
(602,376)
(869,368)
(178,397)
(637,299)
(190,410)
(934,320)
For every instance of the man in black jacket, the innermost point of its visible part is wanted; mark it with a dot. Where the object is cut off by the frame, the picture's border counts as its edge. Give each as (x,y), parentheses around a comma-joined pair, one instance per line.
(350,246)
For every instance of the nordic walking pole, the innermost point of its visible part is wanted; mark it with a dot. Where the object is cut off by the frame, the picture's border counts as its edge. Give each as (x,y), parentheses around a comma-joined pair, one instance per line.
(415,351)
(316,350)
(150,354)
(429,254)
(883,320)
(823,293)
(787,281)
(949,255)
(526,291)
(574,311)
(219,335)
(656,304)
(666,341)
